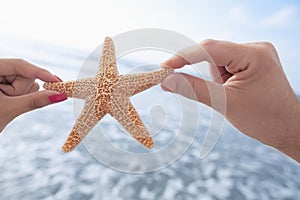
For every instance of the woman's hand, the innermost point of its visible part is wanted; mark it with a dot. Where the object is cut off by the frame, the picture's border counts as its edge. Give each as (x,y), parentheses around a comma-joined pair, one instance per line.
(19,91)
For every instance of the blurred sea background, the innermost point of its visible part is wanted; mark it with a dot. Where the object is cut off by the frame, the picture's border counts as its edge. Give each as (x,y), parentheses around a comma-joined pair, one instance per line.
(59,36)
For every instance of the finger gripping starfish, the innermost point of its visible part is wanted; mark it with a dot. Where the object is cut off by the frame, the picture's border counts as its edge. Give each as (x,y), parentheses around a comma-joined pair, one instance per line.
(108,93)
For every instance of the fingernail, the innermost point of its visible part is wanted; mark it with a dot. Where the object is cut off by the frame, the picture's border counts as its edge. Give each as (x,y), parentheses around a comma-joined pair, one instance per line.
(164,64)
(58,78)
(57,98)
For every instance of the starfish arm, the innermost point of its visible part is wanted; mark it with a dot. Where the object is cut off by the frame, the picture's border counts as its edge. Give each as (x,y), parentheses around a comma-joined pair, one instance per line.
(136,83)
(123,111)
(85,122)
(61,87)
(76,89)
(107,65)
(84,88)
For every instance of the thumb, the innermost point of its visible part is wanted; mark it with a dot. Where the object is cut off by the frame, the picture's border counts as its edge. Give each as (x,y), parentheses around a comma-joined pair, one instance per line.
(32,101)
(204,91)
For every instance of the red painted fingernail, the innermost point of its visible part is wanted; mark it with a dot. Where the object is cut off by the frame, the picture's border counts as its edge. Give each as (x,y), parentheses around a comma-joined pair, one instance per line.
(57,98)
(58,78)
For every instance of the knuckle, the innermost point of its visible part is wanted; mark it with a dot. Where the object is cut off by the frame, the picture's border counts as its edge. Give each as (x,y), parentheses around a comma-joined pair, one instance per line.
(35,104)
(268,45)
(265,49)
(207,43)
(262,51)
(20,61)
(264,54)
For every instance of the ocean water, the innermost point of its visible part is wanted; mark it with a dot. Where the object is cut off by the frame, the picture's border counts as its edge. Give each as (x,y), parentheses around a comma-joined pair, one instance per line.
(33,167)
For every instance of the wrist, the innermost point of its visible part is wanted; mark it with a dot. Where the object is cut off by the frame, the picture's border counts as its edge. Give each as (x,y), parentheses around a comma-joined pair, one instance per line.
(290,144)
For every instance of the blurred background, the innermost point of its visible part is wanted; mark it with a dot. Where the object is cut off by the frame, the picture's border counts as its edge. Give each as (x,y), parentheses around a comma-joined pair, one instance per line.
(60,35)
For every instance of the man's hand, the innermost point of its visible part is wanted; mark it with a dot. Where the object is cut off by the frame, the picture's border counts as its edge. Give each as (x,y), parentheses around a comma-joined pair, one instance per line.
(259,99)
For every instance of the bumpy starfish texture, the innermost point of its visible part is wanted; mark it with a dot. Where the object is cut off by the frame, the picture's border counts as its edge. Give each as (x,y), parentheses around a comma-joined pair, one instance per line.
(108,93)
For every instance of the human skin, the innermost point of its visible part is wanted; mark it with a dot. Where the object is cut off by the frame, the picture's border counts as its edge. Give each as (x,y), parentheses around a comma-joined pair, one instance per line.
(259,99)
(19,91)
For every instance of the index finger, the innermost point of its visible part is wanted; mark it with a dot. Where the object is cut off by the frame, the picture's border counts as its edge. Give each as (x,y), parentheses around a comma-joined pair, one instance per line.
(189,55)
(10,67)
(219,53)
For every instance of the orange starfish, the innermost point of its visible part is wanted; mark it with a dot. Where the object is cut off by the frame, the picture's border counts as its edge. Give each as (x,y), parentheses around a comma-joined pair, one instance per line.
(109,92)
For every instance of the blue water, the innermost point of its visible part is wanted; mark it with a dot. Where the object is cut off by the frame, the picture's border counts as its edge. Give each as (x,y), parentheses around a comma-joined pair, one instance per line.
(33,167)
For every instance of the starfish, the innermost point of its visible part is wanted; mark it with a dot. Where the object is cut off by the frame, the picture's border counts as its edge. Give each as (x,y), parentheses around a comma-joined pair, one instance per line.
(108,93)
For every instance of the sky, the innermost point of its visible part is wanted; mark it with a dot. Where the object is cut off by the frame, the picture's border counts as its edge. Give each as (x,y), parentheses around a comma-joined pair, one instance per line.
(84,24)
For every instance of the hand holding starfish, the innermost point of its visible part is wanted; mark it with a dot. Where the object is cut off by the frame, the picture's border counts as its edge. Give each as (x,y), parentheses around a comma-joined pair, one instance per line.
(19,91)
